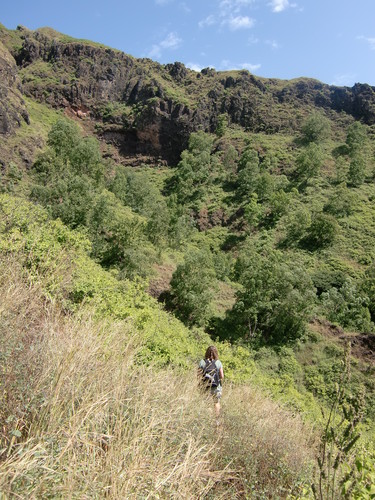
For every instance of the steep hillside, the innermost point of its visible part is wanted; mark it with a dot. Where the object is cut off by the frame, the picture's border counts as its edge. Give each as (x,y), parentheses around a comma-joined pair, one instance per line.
(82,415)
(148,110)
(12,106)
(161,210)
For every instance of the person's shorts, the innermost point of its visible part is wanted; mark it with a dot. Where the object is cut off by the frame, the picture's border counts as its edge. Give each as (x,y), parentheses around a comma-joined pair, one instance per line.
(216,392)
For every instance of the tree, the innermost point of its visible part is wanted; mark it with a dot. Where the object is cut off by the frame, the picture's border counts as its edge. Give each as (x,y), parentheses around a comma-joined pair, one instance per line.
(276,297)
(342,202)
(136,190)
(356,138)
(222,124)
(368,287)
(63,137)
(348,306)
(68,174)
(10,177)
(230,158)
(279,204)
(69,182)
(316,129)
(253,212)
(194,171)
(322,231)
(192,288)
(118,236)
(66,196)
(342,170)
(80,154)
(265,186)
(309,161)
(158,222)
(297,224)
(356,141)
(248,172)
(357,170)
(86,158)
(181,228)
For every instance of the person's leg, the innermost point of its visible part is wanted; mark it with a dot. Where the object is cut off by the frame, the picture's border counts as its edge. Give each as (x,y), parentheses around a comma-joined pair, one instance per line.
(217,397)
(217,408)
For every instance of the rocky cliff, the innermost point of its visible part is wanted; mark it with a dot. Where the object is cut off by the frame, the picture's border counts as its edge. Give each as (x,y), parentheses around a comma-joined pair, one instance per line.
(147,110)
(12,106)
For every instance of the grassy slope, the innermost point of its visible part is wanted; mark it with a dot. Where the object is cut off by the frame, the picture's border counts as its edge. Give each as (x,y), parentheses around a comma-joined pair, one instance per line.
(57,257)
(101,424)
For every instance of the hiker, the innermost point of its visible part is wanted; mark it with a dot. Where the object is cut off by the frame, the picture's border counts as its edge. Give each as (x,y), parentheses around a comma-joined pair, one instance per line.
(212,375)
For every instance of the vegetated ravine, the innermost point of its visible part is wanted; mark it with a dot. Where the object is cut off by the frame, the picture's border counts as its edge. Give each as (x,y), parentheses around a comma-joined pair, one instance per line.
(149,210)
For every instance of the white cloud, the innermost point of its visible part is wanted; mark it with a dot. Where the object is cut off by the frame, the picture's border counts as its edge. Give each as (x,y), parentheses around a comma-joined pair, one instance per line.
(209,21)
(239,22)
(229,14)
(273,44)
(233,6)
(183,6)
(194,67)
(253,40)
(171,42)
(155,52)
(227,65)
(369,40)
(250,67)
(280,5)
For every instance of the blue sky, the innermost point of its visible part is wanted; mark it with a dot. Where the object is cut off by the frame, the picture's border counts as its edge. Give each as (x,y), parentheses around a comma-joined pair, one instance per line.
(331,40)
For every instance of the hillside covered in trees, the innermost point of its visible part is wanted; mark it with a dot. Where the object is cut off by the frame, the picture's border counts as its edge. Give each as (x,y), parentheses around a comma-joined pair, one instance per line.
(147,211)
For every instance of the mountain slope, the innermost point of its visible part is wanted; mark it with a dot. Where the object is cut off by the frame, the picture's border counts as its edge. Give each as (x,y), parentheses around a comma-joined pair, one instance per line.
(256,231)
(146,110)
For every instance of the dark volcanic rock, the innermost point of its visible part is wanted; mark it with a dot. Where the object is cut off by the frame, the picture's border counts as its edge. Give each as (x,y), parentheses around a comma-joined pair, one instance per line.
(177,70)
(12,108)
(150,110)
(358,101)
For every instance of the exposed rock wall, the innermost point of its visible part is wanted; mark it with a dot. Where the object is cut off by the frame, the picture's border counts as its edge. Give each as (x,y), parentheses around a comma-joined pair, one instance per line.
(12,108)
(155,107)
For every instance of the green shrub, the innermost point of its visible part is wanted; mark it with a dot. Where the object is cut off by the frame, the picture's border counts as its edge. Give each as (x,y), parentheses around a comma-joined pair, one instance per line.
(316,128)
(348,306)
(276,297)
(322,231)
(192,288)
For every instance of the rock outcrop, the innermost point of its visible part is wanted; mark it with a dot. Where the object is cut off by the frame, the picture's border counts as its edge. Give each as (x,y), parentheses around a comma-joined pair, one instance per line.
(12,108)
(145,109)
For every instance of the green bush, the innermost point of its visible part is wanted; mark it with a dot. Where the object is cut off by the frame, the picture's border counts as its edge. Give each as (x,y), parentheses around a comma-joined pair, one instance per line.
(315,129)
(322,231)
(192,288)
(348,306)
(276,297)
(309,162)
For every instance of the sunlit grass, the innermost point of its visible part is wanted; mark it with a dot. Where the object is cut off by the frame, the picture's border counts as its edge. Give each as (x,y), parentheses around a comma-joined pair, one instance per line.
(80,418)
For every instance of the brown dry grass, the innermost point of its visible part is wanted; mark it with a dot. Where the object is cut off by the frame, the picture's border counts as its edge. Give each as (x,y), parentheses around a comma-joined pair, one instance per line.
(95,424)
(270,447)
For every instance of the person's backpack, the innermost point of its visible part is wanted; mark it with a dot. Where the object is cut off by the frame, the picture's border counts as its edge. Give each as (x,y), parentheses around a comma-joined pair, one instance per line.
(211,374)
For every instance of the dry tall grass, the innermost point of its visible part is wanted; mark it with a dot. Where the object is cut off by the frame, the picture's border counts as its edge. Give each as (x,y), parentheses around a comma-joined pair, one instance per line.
(81,419)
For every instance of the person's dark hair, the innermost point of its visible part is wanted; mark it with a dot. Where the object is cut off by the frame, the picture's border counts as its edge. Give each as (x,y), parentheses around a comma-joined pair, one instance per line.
(212,353)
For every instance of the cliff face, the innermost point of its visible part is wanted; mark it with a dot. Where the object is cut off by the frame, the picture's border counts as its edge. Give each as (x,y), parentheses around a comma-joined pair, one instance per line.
(12,108)
(147,110)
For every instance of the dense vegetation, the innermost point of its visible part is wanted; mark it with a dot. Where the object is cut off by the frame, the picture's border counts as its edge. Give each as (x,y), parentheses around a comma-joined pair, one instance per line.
(263,243)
